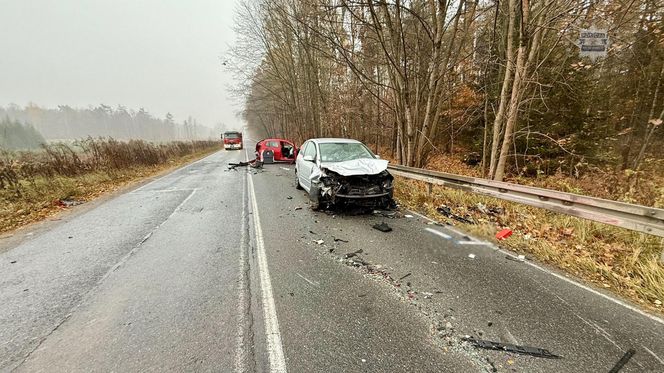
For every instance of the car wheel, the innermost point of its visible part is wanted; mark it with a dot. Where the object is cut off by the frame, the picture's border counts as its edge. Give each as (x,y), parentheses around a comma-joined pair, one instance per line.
(314,197)
(297,181)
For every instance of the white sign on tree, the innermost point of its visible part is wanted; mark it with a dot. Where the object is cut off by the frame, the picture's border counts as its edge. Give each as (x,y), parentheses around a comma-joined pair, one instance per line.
(593,43)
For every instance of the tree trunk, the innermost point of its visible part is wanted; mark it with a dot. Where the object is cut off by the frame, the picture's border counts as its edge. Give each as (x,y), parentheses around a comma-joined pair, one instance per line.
(504,91)
(515,99)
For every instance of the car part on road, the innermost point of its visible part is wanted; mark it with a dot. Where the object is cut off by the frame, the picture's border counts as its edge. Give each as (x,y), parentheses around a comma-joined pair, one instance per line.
(623,360)
(383,227)
(523,350)
(387,214)
(254,163)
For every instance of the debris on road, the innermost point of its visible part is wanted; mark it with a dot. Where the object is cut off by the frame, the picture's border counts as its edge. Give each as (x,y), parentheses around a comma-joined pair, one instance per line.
(471,256)
(298,208)
(524,350)
(503,234)
(12,262)
(319,242)
(447,212)
(408,216)
(404,276)
(254,163)
(353,254)
(385,213)
(383,227)
(289,197)
(358,262)
(285,168)
(339,240)
(623,360)
(520,258)
(427,295)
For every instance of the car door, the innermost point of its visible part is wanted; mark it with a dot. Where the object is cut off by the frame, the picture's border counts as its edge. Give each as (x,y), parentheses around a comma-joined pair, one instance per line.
(304,168)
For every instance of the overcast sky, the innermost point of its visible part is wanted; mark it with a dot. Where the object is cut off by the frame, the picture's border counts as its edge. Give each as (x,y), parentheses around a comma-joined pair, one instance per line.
(163,55)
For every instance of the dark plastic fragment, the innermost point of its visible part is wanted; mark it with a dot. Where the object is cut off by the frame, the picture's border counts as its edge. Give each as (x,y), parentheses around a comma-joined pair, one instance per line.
(524,350)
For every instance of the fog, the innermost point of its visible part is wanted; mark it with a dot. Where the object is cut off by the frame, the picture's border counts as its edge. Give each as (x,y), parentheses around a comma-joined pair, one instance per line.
(160,55)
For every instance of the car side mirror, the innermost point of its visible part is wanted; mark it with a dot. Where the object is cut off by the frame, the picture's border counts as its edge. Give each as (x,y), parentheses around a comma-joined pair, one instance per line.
(309,158)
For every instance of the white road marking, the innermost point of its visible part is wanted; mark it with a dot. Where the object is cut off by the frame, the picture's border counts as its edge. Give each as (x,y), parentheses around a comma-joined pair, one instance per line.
(274,347)
(86,296)
(510,337)
(461,233)
(570,281)
(314,283)
(476,243)
(438,233)
(584,287)
(161,191)
(174,171)
(601,332)
(131,252)
(182,203)
(653,355)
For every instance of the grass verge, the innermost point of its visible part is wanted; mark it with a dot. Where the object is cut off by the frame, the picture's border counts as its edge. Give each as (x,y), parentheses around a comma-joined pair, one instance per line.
(619,260)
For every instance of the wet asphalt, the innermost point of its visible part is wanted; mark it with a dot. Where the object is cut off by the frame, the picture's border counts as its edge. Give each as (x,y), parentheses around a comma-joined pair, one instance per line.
(165,278)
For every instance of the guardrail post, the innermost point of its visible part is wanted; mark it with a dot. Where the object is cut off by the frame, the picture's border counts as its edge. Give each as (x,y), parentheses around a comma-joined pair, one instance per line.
(430,187)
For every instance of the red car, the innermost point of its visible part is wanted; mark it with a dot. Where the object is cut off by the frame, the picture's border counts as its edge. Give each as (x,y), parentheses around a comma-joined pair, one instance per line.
(276,150)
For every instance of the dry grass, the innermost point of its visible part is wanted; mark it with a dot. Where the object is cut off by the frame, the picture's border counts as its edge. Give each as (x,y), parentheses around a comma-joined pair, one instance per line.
(33,184)
(613,258)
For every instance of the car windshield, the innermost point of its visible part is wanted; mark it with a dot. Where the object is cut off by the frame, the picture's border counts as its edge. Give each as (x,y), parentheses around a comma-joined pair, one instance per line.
(232,135)
(339,152)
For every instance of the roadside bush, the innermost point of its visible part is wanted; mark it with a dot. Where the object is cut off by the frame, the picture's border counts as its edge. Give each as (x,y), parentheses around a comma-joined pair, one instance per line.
(90,155)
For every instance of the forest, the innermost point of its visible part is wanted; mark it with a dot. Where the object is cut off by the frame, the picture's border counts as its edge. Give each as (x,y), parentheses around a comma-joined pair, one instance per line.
(15,135)
(27,127)
(503,80)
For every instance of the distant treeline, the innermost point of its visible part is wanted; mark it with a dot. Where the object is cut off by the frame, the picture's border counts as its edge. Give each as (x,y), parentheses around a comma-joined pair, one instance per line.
(15,135)
(65,123)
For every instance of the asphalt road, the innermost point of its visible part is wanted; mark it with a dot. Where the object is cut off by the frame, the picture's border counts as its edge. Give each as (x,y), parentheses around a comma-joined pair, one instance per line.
(206,269)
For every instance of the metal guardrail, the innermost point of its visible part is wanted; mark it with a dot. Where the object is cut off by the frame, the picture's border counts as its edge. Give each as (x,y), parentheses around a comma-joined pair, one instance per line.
(644,219)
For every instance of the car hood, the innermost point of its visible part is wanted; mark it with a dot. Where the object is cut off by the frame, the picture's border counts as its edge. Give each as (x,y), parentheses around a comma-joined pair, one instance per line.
(364,166)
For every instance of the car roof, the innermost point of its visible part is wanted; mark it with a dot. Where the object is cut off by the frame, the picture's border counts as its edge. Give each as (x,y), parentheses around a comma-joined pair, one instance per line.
(275,139)
(328,140)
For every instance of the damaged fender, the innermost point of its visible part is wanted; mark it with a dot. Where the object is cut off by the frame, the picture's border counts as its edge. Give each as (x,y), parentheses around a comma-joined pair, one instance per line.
(366,181)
